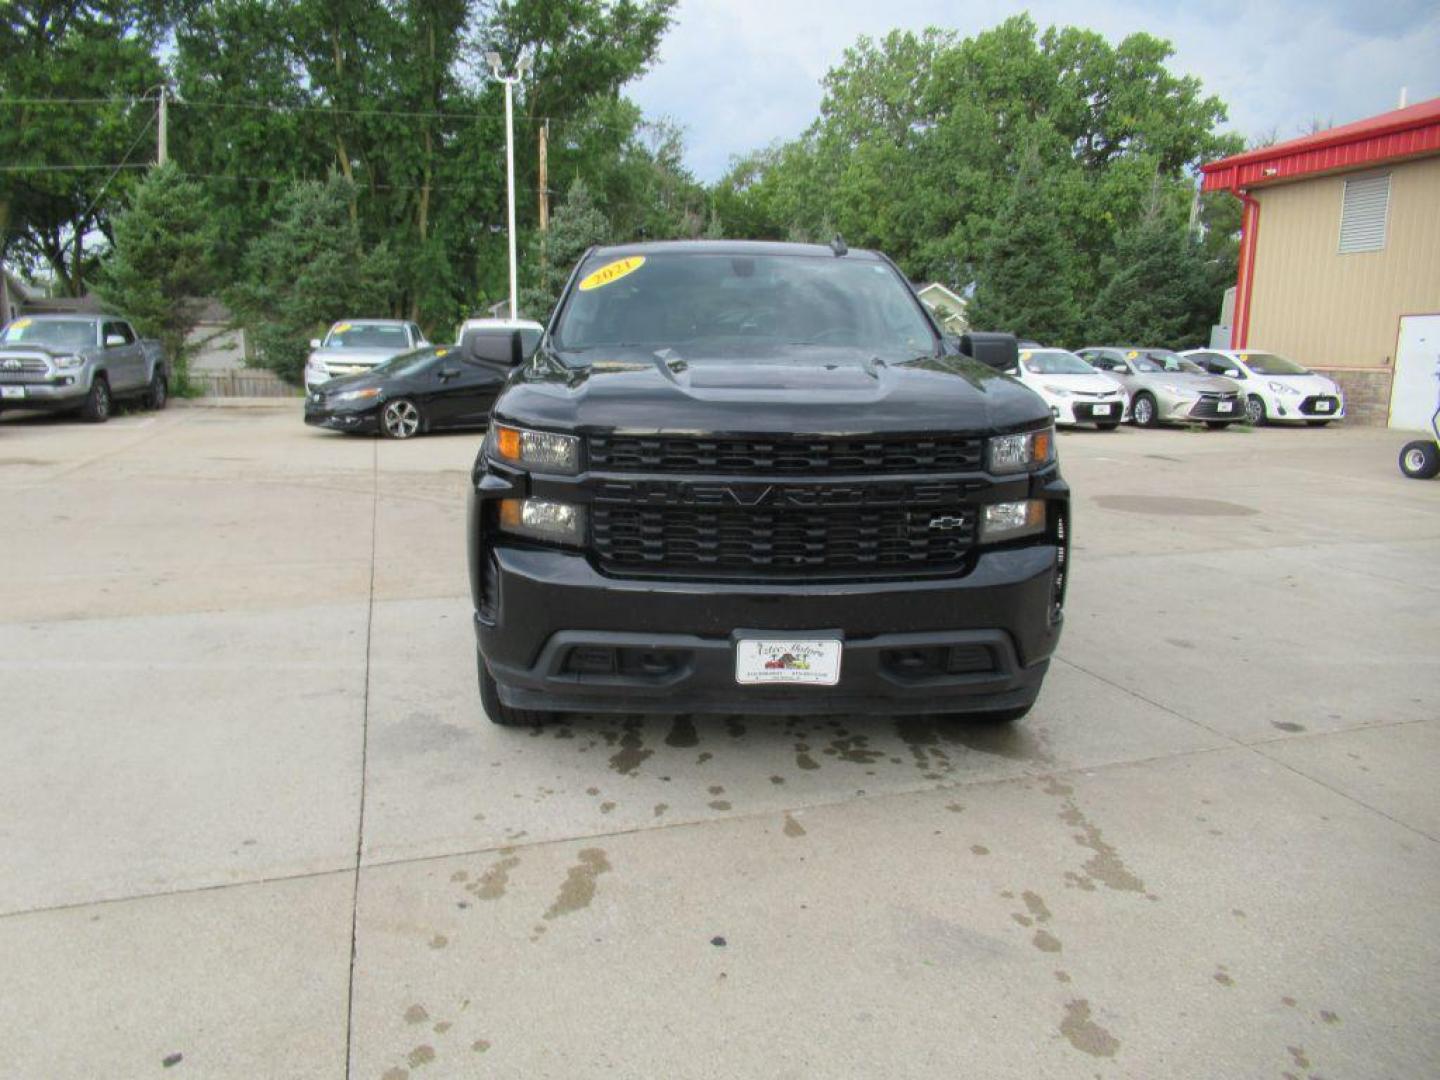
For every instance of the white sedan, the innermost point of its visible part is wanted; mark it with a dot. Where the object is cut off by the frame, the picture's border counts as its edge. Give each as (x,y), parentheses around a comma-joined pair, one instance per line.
(1075,391)
(1276,389)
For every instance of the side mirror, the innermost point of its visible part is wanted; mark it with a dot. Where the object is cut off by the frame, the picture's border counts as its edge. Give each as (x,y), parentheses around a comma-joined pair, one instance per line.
(998,351)
(111,340)
(488,347)
(315,343)
(1233,373)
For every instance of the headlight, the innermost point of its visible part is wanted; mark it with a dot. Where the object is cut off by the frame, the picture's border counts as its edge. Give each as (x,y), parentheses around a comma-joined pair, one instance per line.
(356,395)
(1058,391)
(1008,520)
(542,450)
(544,519)
(63,362)
(1023,452)
(1281,388)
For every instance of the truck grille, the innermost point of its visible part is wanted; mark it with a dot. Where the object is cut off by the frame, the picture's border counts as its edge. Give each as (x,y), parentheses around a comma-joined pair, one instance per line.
(749,457)
(854,541)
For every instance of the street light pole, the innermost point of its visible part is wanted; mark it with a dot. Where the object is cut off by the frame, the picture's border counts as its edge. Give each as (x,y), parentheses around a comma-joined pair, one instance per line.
(521,67)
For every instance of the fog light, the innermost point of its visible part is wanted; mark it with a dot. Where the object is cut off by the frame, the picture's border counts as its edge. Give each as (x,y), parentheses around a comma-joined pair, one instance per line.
(1007,520)
(543,519)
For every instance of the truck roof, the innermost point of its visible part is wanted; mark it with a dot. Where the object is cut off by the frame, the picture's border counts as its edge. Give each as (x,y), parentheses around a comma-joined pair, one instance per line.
(71,316)
(732,247)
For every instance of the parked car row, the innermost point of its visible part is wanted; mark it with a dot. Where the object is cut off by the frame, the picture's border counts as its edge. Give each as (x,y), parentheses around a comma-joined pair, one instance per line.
(1103,385)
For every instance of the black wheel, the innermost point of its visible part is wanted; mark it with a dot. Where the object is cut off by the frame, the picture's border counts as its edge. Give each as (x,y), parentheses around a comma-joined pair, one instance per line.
(1111,426)
(159,392)
(1143,411)
(1317,423)
(400,419)
(1255,411)
(497,710)
(1217,425)
(1420,460)
(98,403)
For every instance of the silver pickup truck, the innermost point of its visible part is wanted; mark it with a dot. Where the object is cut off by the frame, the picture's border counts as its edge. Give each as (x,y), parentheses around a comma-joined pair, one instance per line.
(79,362)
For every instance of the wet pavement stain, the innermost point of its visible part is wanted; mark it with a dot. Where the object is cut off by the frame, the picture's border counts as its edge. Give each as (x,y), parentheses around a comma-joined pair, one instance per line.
(703,757)
(1105,866)
(1036,905)
(578,889)
(606,807)
(660,808)
(1222,976)
(682,733)
(1297,1055)
(632,753)
(442,1027)
(416,1014)
(480,1045)
(719,804)
(979,849)
(1172,506)
(1287,725)
(734,728)
(1329,1017)
(439,941)
(803,759)
(854,749)
(777,779)
(793,828)
(171,1060)
(1084,1034)
(716,789)
(1046,941)
(396,1073)
(955,807)
(421,1055)
(1062,976)
(493,881)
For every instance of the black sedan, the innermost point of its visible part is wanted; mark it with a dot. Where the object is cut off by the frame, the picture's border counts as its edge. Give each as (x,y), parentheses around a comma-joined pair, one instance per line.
(430,389)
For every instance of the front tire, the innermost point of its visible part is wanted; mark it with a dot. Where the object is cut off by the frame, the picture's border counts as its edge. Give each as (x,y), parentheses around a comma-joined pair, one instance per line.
(497,710)
(98,403)
(1255,411)
(1143,411)
(159,393)
(400,419)
(1420,460)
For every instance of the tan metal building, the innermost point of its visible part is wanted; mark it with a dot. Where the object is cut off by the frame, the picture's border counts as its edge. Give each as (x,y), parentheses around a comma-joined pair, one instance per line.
(1340,257)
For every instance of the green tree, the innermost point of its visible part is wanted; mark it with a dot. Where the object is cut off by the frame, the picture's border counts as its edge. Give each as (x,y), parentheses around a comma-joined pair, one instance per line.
(308,270)
(1159,288)
(54,201)
(576,226)
(1023,274)
(161,262)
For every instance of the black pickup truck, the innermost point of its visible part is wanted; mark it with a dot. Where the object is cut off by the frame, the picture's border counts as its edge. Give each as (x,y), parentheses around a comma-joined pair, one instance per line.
(756,478)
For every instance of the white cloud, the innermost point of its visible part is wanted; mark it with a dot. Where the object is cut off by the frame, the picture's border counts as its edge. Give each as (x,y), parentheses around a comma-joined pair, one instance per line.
(739,74)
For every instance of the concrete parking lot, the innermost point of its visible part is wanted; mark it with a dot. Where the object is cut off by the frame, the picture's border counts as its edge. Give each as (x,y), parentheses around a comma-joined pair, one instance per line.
(253,822)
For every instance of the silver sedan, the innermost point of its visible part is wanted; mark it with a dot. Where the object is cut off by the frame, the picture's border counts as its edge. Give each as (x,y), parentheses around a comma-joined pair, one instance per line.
(1166,388)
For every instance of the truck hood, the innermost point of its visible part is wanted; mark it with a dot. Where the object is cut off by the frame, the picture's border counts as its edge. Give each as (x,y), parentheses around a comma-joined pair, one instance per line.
(789,390)
(30,351)
(354,357)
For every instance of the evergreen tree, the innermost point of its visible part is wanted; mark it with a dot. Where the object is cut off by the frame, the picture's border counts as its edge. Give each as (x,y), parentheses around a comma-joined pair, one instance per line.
(1023,277)
(161,263)
(308,270)
(1159,289)
(576,226)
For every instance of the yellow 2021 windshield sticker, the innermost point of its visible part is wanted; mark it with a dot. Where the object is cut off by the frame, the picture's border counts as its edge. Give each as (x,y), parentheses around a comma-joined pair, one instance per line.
(612,272)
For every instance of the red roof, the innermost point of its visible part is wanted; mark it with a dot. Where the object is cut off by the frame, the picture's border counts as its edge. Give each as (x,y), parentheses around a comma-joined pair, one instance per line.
(1400,133)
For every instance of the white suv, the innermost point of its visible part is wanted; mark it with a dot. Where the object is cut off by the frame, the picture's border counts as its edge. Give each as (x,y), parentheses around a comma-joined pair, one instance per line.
(1275,389)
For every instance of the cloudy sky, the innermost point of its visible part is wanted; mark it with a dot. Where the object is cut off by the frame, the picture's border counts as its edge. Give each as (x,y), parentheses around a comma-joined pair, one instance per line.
(738,74)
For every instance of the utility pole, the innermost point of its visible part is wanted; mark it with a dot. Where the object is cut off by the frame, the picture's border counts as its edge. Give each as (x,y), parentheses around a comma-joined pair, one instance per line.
(545,176)
(521,67)
(163,151)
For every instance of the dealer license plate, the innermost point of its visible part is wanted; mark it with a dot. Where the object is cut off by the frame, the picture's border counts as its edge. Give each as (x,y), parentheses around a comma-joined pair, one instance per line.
(1102,410)
(759,661)
(1322,406)
(12,391)
(1225,406)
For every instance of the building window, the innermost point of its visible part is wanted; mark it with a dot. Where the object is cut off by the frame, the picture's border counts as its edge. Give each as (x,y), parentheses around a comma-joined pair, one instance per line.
(1363,214)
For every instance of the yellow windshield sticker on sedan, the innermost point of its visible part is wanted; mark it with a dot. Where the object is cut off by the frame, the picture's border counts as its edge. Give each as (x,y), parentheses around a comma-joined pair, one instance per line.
(1132,354)
(1025,355)
(20,324)
(340,328)
(612,272)
(441,352)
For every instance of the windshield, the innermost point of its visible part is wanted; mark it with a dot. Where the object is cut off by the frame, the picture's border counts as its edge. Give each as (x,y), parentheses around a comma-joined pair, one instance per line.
(410,363)
(1154,361)
(743,304)
(66,333)
(1264,363)
(1054,362)
(366,336)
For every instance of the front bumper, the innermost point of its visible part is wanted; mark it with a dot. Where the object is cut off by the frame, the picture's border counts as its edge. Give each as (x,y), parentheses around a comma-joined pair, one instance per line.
(537,607)
(53,393)
(1086,410)
(1288,407)
(365,421)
